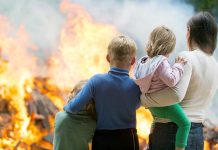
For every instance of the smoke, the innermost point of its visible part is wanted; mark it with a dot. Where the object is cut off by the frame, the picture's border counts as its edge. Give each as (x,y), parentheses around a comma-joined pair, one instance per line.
(136,18)
(41,19)
(139,18)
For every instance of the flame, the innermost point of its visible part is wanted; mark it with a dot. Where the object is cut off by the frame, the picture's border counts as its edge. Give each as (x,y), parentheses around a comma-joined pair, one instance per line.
(144,121)
(81,40)
(215,147)
(207,146)
(85,42)
(82,49)
(17,67)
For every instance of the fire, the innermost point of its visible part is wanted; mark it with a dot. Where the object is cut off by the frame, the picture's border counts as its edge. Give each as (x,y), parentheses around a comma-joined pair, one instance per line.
(215,147)
(82,49)
(209,146)
(80,54)
(144,121)
(15,74)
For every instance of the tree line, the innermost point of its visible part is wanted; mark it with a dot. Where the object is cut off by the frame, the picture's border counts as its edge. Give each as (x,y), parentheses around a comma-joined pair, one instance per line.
(205,5)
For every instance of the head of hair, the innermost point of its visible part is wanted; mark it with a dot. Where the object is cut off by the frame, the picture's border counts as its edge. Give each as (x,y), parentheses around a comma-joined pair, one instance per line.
(202,29)
(162,41)
(90,107)
(122,50)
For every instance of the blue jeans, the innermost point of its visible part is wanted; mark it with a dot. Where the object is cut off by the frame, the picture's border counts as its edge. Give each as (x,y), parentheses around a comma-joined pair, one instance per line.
(163,137)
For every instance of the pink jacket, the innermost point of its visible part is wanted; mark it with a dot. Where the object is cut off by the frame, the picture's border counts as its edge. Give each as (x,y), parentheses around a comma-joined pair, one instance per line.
(154,74)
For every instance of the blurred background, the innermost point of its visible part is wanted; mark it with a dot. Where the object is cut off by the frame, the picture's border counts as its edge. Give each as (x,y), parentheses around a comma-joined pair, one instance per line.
(46,47)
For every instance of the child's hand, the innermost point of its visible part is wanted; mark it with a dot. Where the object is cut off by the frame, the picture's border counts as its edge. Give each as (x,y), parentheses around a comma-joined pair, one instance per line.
(180,60)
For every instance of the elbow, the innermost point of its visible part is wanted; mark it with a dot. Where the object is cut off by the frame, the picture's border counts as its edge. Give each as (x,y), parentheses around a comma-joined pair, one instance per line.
(172,83)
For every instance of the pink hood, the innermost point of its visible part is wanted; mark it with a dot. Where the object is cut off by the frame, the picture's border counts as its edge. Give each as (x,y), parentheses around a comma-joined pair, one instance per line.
(144,70)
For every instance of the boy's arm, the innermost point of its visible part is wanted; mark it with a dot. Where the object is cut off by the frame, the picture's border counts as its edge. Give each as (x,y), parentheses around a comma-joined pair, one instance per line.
(170,75)
(81,99)
(169,96)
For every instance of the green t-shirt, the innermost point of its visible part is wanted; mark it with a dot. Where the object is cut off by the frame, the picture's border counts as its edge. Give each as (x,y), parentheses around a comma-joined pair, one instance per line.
(73,131)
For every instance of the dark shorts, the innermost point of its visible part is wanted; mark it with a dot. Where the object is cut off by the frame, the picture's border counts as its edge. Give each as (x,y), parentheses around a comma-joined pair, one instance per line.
(163,137)
(123,139)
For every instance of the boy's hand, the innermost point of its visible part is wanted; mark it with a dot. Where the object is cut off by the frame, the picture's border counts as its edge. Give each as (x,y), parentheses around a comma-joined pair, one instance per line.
(180,60)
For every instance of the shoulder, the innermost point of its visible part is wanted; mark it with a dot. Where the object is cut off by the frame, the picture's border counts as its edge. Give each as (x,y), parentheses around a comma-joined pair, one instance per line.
(163,64)
(61,117)
(186,54)
(138,67)
(98,79)
(141,61)
(190,55)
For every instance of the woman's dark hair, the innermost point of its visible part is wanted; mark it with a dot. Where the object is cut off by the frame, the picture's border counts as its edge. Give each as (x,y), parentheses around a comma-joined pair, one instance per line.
(203,32)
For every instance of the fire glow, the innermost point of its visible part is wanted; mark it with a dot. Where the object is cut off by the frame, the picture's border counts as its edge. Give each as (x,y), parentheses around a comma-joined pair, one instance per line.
(81,53)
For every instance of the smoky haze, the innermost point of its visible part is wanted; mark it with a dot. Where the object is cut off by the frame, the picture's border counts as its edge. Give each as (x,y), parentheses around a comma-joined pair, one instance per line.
(43,20)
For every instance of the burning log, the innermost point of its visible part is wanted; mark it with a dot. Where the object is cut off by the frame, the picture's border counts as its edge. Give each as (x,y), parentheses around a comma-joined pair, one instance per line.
(40,108)
(41,112)
(5,117)
(3,106)
(43,145)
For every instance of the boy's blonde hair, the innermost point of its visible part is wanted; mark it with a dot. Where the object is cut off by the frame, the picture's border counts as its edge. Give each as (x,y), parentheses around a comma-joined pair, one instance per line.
(162,41)
(90,107)
(122,50)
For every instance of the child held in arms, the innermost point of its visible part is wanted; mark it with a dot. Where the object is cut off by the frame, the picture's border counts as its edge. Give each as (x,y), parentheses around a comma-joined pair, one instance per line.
(116,99)
(153,73)
(75,131)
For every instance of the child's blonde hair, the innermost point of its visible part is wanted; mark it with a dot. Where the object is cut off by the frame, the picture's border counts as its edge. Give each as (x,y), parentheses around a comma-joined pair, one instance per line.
(162,41)
(90,107)
(121,50)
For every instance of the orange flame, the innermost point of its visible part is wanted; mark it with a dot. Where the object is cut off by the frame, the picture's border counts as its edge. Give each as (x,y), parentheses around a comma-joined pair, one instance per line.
(144,121)
(81,54)
(17,67)
(82,49)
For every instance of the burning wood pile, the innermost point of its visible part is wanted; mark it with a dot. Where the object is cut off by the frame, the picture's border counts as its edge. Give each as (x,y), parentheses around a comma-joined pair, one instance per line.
(31,92)
(28,103)
(40,112)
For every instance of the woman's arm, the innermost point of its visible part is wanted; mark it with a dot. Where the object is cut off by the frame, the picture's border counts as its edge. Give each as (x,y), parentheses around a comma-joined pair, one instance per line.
(169,96)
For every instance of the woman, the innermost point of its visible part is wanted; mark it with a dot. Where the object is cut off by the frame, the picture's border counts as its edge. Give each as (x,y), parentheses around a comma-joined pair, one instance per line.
(195,90)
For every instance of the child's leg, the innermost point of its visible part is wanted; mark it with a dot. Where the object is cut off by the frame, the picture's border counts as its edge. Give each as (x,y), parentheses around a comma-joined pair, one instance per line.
(176,114)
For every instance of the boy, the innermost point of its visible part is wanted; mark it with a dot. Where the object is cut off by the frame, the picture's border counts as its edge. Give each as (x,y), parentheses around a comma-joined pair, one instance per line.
(75,131)
(116,99)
